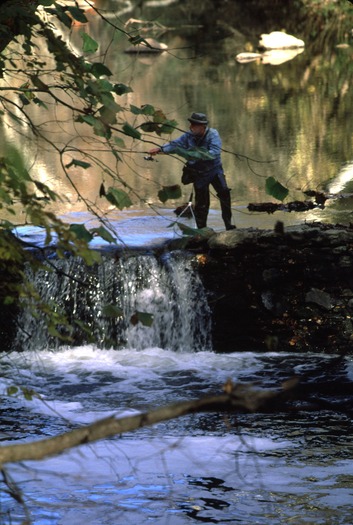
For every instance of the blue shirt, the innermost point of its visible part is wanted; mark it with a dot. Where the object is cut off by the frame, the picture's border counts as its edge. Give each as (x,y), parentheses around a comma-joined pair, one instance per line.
(211,142)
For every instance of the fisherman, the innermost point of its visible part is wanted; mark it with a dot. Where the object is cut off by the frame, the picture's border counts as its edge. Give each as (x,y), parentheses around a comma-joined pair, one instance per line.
(207,171)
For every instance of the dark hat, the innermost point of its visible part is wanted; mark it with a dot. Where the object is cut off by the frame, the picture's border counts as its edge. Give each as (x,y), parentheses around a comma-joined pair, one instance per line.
(198,118)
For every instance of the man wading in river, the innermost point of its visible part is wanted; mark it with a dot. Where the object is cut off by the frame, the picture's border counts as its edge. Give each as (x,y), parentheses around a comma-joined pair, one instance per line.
(205,172)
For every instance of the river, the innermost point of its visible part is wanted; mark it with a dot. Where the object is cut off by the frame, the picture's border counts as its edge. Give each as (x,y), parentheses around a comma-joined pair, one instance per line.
(268,469)
(261,468)
(289,121)
(293,120)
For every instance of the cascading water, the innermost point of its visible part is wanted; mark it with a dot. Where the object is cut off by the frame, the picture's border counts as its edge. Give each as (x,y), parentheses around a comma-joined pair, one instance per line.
(168,289)
(212,468)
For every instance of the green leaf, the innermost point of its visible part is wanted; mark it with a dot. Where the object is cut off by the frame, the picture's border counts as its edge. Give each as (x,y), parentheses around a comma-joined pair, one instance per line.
(122,89)
(77,14)
(16,160)
(12,390)
(79,163)
(104,234)
(28,393)
(119,142)
(275,189)
(187,230)
(85,328)
(168,127)
(118,198)
(144,318)
(136,39)
(100,70)
(146,109)
(24,99)
(89,45)
(113,311)
(40,103)
(169,192)
(108,115)
(130,131)
(81,232)
(150,127)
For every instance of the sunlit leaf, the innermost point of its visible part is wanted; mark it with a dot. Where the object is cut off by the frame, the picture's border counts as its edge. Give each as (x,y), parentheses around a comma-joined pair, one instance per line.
(159,116)
(118,198)
(169,192)
(275,189)
(89,44)
(103,233)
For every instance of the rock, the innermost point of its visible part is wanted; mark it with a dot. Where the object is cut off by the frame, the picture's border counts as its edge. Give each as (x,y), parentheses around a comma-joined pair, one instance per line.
(279,40)
(245,58)
(319,297)
(290,290)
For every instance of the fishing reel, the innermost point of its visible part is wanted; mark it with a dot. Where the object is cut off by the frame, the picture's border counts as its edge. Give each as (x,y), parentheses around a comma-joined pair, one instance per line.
(149,157)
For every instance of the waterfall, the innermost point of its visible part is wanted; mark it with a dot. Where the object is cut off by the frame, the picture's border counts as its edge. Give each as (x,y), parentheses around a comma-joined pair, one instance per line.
(167,288)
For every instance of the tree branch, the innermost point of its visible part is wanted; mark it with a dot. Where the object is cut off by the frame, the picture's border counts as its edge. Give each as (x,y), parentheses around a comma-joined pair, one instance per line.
(236,398)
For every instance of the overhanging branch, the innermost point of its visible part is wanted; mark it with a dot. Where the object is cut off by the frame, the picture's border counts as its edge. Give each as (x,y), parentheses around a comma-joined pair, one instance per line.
(236,398)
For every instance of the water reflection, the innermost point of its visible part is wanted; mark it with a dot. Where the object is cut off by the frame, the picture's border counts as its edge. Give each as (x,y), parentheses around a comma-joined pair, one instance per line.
(287,120)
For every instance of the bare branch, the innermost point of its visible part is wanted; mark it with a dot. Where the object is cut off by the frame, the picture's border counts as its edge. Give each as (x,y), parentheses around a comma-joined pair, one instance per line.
(236,398)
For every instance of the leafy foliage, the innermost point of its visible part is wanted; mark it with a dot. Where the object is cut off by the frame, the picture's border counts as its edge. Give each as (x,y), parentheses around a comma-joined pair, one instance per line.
(81,83)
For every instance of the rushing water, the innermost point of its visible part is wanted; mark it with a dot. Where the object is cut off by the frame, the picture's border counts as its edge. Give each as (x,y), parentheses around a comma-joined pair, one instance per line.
(262,468)
(268,468)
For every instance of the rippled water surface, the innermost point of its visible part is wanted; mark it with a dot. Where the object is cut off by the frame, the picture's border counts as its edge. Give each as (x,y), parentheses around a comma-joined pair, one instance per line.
(214,468)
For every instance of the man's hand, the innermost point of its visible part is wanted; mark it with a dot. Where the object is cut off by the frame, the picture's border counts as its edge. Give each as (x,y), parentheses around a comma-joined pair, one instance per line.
(154,151)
